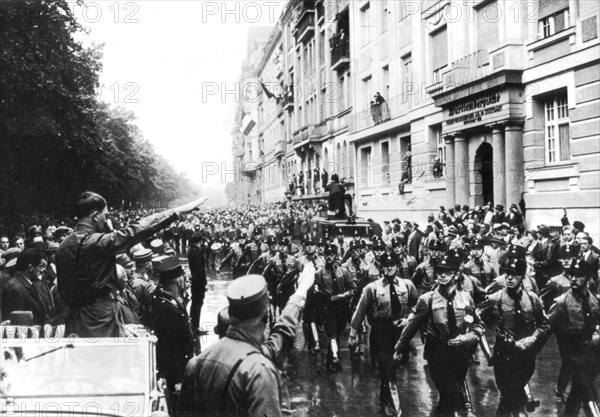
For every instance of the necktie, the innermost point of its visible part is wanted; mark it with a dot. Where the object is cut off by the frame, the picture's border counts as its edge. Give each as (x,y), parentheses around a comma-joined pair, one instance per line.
(587,316)
(451,316)
(519,315)
(395,303)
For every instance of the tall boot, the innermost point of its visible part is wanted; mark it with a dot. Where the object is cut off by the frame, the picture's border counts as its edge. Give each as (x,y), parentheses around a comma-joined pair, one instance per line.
(336,365)
(466,394)
(591,409)
(531,403)
(315,334)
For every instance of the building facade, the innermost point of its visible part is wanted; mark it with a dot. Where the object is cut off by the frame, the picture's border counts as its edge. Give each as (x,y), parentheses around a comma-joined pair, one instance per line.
(419,104)
(504,93)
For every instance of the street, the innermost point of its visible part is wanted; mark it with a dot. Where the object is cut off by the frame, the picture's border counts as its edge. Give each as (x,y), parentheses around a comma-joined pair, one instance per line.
(355,391)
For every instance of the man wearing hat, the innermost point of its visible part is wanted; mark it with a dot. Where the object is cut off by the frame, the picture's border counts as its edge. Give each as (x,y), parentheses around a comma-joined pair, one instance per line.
(406,263)
(499,214)
(282,266)
(521,326)
(197,257)
(478,266)
(453,329)
(375,269)
(138,278)
(387,303)
(335,283)
(171,324)
(414,240)
(259,267)
(514,252)
(587,254)
(574,318)
(424,275)
(239,374)
(85,264)
(239,256)
(546,262)
(560,283)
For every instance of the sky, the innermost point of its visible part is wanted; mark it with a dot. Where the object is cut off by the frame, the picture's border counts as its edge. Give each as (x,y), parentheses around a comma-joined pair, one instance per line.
(169,62)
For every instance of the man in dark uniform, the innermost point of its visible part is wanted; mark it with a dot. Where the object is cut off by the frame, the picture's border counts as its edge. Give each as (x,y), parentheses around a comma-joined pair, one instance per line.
(171,324)
(197,257)
(478,266)
(574,318)
(239,256)
(259,266)
(86,270)
(406,263)
(453,329)
(336,284)
(387,303)
(424,275)
(521,326)
(357,267)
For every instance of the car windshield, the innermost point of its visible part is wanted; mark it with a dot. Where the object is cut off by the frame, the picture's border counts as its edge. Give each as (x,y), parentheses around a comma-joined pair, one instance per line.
(73,369)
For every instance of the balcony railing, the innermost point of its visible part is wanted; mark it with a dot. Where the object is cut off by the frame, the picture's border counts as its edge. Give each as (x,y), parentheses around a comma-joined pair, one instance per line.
(381,113)
(340,52)
(305,27)
(307,132)
(467,69)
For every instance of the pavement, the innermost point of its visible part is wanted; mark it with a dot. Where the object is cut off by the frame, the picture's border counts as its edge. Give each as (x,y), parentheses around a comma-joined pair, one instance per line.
(354,391)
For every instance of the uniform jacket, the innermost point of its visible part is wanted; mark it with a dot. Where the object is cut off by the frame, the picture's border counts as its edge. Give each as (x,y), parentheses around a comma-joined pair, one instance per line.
(375,302)
(480,269)
(171,324)
(91,275)
(257,386)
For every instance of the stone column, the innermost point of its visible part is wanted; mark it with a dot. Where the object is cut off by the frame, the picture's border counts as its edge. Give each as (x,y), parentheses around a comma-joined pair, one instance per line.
(461,155)
(450,172)
(499,165)
(514,163)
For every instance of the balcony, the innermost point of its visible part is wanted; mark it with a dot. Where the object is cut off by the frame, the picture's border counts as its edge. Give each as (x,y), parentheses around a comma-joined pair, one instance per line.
(287,101)
(467,69)
(381,113)
(280,149)
(305,27)
(340,52)
(307,132)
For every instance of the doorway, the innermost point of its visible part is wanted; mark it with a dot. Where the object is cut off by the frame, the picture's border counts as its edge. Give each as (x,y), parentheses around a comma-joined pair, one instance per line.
(484,174)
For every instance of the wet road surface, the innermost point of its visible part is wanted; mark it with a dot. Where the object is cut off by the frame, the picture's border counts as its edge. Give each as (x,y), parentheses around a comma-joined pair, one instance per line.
(354,391)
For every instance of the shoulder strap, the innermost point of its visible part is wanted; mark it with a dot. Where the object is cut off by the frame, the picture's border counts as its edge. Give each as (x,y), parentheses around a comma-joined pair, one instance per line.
(230,377)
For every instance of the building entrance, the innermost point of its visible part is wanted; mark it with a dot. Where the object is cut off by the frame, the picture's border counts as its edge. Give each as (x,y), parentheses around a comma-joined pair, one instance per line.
(484,174)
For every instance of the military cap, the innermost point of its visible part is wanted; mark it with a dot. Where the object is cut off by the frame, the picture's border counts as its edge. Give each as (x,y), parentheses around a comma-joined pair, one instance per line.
(363,243)
(497,239)
(158,260)
(284,241)
(499,207)
(387,259)
(329,249)
(477,243)
(322,241)
(242,235)
(271,240)
(398,241)
(62,230)
(568,251)
(123,260)
(580,267)
(52,248)
(378,244)
(458,254)
(157,246)
(170,268)
(142,256)
(436,244)
(248,297)
(515,266)
(448,262)
(257,231)
(309,240)
(516,252)
(355,244)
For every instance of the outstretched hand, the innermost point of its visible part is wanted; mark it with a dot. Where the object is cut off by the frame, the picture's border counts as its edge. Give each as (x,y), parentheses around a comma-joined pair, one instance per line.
(186,208)
(306,278)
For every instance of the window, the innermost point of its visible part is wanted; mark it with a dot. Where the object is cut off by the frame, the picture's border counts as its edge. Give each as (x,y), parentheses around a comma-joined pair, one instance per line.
(406,153)
(407,78)
(385,161)
(384,15)
(366,167)
(322,48)
(439,49)
(556,112)
(487,26)
(341,95)
(365,24)
(553,17)
(367,92)
(386,81)
(440,144)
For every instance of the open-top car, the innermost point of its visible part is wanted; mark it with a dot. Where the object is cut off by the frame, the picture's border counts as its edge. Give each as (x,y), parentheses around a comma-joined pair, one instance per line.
(54,375)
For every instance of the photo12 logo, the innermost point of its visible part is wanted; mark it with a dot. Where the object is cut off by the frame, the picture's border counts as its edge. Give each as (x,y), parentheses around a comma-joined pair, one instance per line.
(92,12)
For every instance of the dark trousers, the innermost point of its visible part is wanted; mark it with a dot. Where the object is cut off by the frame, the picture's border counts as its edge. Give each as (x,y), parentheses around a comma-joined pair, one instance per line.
(198,293)
(584,363)
(448,369)
(382,342)
(512,370)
